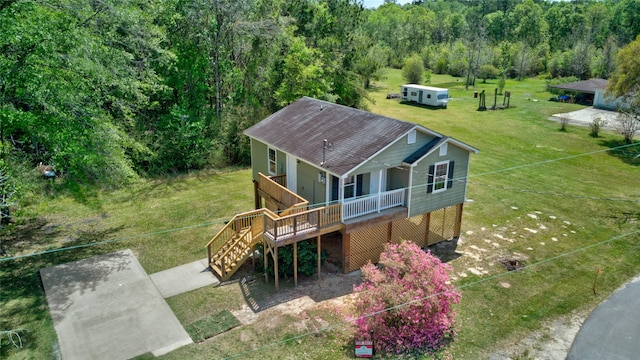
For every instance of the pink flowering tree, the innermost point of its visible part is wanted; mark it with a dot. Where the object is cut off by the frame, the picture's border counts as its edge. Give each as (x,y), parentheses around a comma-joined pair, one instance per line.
(404,304)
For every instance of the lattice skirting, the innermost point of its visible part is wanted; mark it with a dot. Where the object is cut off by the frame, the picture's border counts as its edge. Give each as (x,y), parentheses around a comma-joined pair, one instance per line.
(425,229)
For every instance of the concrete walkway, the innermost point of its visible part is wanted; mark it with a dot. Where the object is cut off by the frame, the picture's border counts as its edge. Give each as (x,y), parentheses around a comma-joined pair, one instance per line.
(106,307)
(612,331)
(184,278)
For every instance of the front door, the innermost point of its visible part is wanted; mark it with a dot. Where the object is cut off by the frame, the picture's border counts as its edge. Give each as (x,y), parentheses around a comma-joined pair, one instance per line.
(420,96)
(292,173)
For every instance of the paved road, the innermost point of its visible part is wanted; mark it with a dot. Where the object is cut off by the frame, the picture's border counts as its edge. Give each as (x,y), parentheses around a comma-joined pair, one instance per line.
(612,331)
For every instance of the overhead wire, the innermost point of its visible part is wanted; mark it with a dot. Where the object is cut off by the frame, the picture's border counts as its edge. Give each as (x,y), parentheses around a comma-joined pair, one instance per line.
(459,288)
(459,179)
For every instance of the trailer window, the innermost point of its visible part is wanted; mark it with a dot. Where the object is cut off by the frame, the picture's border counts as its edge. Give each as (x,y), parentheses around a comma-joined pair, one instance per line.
(413,93)
(442,96)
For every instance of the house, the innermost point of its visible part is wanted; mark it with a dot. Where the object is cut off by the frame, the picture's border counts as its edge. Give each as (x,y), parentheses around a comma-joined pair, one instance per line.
(591,92)
(324,170)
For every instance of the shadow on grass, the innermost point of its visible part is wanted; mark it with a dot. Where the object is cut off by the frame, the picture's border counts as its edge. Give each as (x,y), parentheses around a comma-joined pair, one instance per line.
(445,250)
(37,234)
(23,304)
(260,295)
(422,106)
(629,154)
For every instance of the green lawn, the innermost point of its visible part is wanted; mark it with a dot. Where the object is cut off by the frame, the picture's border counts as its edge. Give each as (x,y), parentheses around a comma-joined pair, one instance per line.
(526,166)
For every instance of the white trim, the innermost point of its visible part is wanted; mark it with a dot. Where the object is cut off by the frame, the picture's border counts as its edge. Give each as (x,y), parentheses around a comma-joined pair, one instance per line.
(446,177)
(409,191)
(466,180)
(275,160)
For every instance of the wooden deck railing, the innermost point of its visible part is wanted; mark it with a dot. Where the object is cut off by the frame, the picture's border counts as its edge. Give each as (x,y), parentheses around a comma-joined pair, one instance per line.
(304,222)
(373,203)
(280,179)
(280,193)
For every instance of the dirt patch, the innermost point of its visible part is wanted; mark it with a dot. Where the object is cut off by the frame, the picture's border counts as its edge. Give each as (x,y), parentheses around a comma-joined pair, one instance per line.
(512,264)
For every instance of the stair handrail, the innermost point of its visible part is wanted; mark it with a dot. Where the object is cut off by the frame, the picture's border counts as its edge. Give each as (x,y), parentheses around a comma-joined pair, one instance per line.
(230,229)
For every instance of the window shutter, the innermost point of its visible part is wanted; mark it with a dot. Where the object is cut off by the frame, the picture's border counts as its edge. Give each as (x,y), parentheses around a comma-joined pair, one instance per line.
(450,181)
(359,185)
(431,178)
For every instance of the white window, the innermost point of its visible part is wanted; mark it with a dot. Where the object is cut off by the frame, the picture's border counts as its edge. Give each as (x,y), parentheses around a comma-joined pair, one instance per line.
(349,187)
(412,137)
(443,149)
(272,162)
(440,176)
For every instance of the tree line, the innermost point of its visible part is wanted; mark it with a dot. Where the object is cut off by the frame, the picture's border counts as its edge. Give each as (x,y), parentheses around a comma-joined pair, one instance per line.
(108,91)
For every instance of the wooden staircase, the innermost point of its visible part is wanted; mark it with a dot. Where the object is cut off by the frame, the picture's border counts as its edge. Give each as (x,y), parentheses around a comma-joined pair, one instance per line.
(235,243)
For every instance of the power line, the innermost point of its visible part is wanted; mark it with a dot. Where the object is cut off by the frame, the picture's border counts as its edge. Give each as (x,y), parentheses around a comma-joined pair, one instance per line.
(460,179)
(459,288)
(539,192)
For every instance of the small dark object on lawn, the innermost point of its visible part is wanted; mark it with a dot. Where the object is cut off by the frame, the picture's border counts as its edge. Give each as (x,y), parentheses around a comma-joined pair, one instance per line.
(248,279)
(512,264)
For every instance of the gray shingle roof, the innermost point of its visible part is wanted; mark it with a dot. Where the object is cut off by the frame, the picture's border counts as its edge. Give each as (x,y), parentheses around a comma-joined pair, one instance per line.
(355,135)
(584,86)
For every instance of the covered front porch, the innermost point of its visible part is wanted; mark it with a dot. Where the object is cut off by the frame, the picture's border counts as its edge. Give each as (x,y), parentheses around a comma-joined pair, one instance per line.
(271,192)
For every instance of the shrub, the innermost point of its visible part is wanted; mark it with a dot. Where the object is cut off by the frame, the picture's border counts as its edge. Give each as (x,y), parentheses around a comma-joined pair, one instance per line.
(404,305)
(596,125)
(488,71)
(307,259)
(413,70)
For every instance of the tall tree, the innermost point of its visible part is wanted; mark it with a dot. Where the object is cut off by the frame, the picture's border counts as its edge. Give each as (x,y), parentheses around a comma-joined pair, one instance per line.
(625,83)
(531,30)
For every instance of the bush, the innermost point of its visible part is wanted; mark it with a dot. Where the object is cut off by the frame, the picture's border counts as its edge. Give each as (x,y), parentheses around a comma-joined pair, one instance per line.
(404,305)
(488,71)
(596,125)
(307,259)
(413,70)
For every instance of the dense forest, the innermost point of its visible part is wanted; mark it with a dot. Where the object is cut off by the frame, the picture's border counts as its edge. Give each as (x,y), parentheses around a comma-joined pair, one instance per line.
(108,91)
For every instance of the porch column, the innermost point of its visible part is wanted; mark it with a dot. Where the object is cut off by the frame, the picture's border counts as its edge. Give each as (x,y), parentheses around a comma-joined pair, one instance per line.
(346,252)
(265,249)
(379,189)
(295,264)
(319,259)
(458,221)
(275,266)
(427,221)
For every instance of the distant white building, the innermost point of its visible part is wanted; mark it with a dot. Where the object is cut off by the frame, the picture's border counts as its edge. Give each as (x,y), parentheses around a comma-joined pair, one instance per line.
(602,101)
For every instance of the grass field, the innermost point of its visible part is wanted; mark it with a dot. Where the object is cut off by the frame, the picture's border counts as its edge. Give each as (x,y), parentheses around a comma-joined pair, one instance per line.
(531,183)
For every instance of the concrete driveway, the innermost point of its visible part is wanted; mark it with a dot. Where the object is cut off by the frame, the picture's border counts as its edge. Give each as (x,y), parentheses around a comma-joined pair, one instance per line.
(106,307)
(585,116)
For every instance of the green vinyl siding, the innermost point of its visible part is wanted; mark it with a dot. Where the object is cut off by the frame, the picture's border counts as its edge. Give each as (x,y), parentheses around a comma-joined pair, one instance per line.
(260,159)
(394,154)
(424,202)
(308,185)
(398,178)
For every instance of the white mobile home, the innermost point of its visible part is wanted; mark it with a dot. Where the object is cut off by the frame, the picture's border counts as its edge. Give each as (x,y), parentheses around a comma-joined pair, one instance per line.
(426,95)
